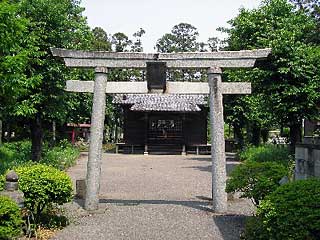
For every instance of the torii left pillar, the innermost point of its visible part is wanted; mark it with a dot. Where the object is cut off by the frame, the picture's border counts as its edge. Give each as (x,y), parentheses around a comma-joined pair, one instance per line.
(219,195)
(96,133)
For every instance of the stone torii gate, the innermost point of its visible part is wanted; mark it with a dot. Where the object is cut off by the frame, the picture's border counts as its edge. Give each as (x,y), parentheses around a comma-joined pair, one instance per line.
(213,62)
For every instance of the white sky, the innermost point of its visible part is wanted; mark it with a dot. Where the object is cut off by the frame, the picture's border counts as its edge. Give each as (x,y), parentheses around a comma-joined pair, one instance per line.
(157,17)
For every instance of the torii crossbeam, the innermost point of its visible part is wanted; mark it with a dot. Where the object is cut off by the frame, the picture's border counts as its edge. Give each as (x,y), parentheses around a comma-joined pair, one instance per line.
(214,61)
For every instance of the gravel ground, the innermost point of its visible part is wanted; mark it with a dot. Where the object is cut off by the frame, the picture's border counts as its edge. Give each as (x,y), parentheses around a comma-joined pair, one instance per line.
(154,197)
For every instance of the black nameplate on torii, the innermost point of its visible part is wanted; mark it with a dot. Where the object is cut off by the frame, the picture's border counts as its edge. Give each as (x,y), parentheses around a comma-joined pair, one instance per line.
(156,76)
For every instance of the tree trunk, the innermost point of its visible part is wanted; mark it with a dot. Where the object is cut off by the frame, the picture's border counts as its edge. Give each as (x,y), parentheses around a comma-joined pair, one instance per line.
(238,135)
(54,132)
(265,135)
(116,134)
(36,138)
(255,134)
(1,125)
(295,136)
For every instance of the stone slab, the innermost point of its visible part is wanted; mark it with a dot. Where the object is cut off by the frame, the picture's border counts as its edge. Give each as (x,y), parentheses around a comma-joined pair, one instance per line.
(141,64)
(172,87)
(257,53)
(112,87)
(224,59)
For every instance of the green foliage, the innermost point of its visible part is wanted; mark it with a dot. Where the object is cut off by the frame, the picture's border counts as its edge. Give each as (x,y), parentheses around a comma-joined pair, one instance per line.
(43,186)
(17,52)
(183,38)
(266,153)
(61,156)
(14,154)
(254,230)
(121,42)
(10,219)
(2,181)
(289,83)
(292,211)
(101,41)
(256,180)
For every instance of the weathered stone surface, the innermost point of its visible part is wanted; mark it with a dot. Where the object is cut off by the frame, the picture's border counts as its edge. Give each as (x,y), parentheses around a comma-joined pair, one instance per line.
(12,176)
(111,88)
(11,188)
(16,196)
(307,157)
(236,88)
(81,188)
(95,148)
(219,195)
(172,87)
(65,53)
(11,183)
(140,64)
(224,59)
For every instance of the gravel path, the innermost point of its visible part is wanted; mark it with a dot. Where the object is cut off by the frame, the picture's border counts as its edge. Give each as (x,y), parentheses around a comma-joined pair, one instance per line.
(154,197)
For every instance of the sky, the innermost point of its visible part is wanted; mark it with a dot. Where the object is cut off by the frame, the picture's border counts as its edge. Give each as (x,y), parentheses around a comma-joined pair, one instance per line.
(157,17)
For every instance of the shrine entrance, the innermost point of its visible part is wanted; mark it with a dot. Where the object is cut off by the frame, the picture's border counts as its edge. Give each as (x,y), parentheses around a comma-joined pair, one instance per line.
(213,62)
(165,129)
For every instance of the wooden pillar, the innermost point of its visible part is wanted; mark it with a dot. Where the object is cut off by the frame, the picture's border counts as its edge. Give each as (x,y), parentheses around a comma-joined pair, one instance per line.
(146,134)
(95,148)
(219,196)
(184,151)
(73,135)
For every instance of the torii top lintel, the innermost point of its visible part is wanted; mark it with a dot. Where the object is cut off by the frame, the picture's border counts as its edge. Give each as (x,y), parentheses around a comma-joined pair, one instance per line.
(223,59)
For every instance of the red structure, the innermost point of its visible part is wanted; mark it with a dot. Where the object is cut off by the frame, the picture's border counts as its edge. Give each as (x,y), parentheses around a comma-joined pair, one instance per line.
(79,130)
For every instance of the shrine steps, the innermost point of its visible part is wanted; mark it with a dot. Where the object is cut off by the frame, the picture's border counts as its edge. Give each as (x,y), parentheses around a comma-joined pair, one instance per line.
(165,149)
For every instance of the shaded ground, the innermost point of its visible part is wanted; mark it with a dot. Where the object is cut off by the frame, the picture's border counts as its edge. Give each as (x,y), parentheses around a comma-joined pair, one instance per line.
(154,197)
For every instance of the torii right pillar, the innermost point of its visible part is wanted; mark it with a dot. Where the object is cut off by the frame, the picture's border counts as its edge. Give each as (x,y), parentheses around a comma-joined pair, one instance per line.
(219,195)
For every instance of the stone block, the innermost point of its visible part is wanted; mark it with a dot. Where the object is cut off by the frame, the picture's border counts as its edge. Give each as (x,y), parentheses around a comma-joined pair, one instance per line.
(81,188)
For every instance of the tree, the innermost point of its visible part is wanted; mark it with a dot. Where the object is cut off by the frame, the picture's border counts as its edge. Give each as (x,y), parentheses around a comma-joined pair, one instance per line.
(183,38)
(311,6)
(121,42)
(17,51)
(213,44)
(290,82)
(101,41)
(55,24)
(137,44)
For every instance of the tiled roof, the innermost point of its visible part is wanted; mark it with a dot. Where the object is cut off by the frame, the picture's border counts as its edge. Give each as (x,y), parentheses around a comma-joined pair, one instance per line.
(162,102)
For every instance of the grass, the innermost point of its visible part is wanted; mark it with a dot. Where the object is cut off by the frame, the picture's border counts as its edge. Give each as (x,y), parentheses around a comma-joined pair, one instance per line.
(266,153)
(61,156)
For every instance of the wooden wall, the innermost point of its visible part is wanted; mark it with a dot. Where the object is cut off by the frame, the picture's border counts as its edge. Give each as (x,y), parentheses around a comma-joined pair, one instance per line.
(194,126)
(134,127)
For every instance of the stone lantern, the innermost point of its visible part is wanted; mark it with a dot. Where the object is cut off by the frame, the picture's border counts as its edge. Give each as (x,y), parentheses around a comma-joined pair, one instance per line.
(11,188)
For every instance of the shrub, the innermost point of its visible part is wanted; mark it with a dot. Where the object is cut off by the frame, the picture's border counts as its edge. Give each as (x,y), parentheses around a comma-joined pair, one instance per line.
(292,211)
(10,218)
(2,181)
(254,230)
(19,153)
(62,156)
(266,153)
(43,186)
(255,180)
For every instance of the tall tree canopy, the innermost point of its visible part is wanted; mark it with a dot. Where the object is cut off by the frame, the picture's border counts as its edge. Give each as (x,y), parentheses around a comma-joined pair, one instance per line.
(183,38)
(101,41)
(291,81)
(32,28)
